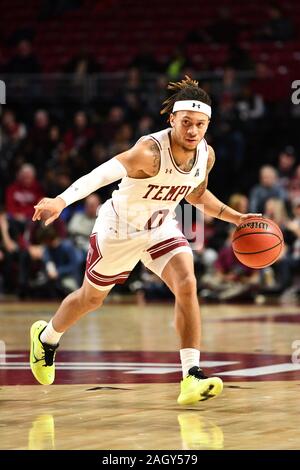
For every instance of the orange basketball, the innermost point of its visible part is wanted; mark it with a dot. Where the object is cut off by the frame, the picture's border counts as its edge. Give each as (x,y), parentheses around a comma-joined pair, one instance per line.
(257,242)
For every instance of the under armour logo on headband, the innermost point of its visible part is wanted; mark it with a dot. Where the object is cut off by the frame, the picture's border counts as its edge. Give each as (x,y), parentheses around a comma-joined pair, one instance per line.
(190,105)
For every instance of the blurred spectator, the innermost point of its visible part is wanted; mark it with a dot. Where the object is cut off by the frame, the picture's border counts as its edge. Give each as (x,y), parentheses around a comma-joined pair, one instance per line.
(56,181)
(23,194)
(149,287)
(54,145)
(286,166)
(133,82)
(34,230)
(62,261)
(50,268)
(7,240)
(9,255)
(229,142)
(145,126)
(32,280)
(249,105)
(277,278)
(79,136)
(156,94)
(292,292)
(25,61)
(99,155)
(134,107)
(177,63)
(37,142)
(229,87)
(13,130)
(293,226)
(215,233)
(292,258)
(239,202)
(294,185)
(109,127)
(11,137)
(267,188)
(81,224)
(228,266)
(122,141)
(232,280)
(275,209)
(278,28)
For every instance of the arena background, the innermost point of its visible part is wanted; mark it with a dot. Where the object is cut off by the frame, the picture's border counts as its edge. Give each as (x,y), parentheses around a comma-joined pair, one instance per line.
(85,79)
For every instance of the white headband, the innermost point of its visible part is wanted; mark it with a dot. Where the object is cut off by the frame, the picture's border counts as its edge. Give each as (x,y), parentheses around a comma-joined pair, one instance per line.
(192,105)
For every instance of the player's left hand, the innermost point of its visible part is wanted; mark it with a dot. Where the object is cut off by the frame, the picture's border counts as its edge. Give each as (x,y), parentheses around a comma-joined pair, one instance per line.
(244,217)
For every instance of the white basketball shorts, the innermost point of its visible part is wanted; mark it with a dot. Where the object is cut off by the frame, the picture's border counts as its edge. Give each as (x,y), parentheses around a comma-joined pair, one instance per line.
(115,248)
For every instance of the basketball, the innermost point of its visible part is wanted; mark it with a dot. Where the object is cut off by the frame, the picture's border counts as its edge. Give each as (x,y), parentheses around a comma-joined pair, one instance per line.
(257,242)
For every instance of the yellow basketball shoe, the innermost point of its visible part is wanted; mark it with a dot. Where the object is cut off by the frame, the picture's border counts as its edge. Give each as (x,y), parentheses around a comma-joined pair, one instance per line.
(197,387)
(41,355)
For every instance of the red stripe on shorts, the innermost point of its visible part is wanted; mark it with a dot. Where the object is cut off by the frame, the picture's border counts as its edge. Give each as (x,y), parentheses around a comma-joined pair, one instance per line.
(102,280)
(164,247)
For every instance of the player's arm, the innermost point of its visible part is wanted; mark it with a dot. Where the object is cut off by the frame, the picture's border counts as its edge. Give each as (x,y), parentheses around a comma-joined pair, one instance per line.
(204,200)
(142,160)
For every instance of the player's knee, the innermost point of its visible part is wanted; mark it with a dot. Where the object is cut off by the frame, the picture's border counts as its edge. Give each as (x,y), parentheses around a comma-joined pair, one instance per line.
(90,300)
(94,301)
(186,286)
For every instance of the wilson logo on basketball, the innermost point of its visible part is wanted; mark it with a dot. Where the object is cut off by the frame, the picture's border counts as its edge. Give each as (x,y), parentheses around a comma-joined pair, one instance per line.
(262,225)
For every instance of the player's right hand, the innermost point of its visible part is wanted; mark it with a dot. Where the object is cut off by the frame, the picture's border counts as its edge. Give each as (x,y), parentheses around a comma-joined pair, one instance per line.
(48,209)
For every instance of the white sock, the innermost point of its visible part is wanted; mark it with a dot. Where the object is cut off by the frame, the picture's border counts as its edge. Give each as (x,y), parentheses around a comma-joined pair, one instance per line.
(189,358)
(49,335)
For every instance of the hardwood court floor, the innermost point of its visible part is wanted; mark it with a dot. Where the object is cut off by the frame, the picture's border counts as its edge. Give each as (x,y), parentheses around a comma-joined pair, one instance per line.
(118,380)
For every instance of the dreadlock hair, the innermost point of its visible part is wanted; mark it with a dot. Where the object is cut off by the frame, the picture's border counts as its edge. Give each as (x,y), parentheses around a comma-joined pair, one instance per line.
(187,89)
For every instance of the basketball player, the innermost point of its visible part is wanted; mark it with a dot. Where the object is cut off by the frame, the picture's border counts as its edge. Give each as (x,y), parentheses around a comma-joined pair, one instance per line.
(138,223)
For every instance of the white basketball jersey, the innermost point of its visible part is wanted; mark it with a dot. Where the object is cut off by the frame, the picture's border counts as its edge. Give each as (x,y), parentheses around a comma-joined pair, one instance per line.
(145,203)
